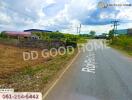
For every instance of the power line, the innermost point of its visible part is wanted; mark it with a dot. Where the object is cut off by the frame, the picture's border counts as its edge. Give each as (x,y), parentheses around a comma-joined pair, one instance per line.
(79,29)
(115,24)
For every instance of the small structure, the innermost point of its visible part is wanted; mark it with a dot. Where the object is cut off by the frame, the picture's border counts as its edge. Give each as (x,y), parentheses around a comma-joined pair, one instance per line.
(124,31)
(18,35)
(35,37)
(129,31)
(121,32)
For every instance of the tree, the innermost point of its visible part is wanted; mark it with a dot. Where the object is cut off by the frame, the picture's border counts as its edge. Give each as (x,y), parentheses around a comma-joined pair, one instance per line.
(111,34)
(56,35)
(92,33)
(3,35)
(0,35)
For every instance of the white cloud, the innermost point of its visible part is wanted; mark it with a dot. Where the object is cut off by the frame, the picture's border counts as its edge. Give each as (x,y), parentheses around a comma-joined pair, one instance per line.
(4,19)
(50,1)
(30,14)
(125,14)
(105,15)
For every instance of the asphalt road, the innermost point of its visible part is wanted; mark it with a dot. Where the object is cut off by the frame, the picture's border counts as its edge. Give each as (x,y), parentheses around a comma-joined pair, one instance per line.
(99,74)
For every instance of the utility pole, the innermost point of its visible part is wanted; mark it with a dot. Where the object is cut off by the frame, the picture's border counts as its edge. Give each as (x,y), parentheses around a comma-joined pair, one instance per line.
(115,24)
(79,29)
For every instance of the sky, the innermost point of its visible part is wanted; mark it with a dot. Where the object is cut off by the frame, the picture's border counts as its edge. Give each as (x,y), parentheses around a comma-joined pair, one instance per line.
(63,15)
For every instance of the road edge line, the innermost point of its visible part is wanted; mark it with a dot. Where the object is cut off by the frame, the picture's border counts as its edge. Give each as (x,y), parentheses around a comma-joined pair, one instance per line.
(57,80)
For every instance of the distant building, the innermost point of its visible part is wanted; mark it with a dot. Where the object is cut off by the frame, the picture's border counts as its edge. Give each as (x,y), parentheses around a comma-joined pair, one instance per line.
(124,31)
(121,32)
(17,34)
(35,37)
(36,30)
(129,31)
(20,35)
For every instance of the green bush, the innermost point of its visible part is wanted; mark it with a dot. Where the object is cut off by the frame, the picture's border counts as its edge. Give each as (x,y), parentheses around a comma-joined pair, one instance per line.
(70,43)
(123,41)
(3,35)
(69,39)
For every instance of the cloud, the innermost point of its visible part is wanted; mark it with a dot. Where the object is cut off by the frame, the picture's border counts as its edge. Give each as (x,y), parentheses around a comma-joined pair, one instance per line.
(55,7)
(63,15)
(4,19)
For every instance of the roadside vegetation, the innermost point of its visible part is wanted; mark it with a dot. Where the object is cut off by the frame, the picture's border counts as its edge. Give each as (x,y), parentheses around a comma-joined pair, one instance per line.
(68,39)
(121,42)
(31,75)
(34,75)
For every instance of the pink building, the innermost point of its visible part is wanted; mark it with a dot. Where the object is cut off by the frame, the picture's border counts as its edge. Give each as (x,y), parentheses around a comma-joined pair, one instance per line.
(18,34)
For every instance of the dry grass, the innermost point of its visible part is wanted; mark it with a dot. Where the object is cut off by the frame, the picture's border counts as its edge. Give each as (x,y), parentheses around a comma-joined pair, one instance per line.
(29,75)
(11,60)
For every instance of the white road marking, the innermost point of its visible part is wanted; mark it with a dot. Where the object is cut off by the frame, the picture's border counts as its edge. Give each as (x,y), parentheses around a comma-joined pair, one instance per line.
(88,70)
(90,63)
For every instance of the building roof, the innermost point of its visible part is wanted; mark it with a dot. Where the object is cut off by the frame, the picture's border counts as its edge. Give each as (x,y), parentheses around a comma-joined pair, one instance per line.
(16,33)
(121,31)
(36,30)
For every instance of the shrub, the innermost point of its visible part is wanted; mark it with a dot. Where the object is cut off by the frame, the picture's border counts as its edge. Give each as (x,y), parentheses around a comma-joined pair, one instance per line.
(123,41)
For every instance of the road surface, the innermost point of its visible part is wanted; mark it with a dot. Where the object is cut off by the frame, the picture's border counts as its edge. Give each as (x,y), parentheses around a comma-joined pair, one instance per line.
(97,74)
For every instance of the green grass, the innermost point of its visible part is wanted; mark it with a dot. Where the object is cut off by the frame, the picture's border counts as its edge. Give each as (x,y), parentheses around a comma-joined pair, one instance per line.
(28,70)
(8,40)
(122,50)
(82,40)
(123,43)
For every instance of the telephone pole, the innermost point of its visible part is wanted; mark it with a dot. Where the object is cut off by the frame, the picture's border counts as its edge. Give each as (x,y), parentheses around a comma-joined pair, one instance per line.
(79,29)
(115,24)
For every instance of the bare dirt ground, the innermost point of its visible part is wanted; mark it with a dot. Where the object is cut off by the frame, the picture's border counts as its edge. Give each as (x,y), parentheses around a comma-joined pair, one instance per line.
(32,75)
(11,60)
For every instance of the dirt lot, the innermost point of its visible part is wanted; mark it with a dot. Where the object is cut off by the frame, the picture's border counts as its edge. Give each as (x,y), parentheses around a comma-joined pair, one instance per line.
(11,60)
(31,76)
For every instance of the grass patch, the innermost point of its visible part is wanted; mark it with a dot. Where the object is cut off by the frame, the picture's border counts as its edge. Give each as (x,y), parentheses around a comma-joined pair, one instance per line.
(36,78)
(31,70)
(82,40)
(122,43)
(121,49)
